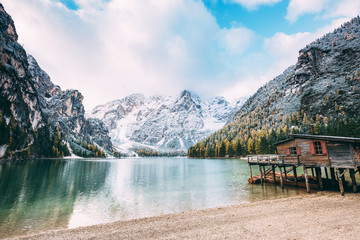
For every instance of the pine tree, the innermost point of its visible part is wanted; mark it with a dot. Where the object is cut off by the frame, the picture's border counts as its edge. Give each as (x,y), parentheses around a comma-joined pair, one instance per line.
(238,148)
(317,128)
(250,147)
(222,149)
(257,146)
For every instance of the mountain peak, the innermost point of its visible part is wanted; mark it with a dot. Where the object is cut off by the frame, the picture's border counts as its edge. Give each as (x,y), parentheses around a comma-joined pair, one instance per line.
(7,26)
(163,123)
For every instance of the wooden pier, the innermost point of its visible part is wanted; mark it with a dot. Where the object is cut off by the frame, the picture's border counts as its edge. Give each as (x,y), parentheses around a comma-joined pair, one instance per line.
(324,160)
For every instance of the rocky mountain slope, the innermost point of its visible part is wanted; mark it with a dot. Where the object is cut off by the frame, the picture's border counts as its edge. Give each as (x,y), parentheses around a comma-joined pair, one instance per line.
(163,123)
(65,108)
(322,88)
(37,118)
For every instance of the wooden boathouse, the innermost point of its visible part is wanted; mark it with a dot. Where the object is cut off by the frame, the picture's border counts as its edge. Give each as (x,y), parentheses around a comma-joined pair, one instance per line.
(310,152)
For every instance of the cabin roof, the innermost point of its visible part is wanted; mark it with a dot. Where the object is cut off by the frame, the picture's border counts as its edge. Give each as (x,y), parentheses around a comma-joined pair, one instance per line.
(320,137)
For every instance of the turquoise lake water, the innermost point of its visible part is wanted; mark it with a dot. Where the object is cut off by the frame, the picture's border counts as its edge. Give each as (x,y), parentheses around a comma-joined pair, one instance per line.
(40,195)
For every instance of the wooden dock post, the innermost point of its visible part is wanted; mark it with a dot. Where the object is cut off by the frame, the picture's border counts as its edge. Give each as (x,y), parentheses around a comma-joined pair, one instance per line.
(295,176)
(264,171)
(340,179)
(285,173)
(326,173)
(319,178)
(251,178)
(281,178)
(306,180)
(333,178)
(261,175)
(353,180)
(312,172)
(274,174)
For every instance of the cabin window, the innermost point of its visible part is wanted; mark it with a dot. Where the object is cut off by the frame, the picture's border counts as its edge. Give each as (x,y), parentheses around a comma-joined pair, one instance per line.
(293,151)
(317,148)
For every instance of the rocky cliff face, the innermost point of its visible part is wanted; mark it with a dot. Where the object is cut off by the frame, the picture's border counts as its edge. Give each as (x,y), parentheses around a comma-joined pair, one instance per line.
(29,102)
(325,80)
(20,110)
(17,93)
(163,123)
(66,109)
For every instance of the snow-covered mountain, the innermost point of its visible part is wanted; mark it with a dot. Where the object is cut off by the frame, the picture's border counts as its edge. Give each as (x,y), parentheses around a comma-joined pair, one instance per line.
(163,123)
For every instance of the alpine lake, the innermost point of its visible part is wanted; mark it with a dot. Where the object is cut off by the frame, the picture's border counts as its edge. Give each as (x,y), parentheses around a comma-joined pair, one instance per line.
(46,194)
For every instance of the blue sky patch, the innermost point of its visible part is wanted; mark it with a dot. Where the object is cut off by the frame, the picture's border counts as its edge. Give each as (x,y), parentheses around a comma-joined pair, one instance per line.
(266,20)
(70,4)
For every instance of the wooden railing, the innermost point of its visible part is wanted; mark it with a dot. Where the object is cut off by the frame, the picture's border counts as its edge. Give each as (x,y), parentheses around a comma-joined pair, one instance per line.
(274,159)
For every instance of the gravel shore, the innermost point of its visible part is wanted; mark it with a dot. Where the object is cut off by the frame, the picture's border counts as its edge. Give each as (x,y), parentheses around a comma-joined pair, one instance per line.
(322,215)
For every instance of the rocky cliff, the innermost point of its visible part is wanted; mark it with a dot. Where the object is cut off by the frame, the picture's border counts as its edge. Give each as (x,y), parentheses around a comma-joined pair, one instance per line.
(19,103)
(36,114)
(325,80)
(66,109)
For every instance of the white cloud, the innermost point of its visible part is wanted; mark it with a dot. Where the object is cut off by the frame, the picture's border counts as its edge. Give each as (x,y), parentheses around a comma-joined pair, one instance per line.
(343,8)
(254,4)
(237,40)
(297,8)
(323,8)
(109,49)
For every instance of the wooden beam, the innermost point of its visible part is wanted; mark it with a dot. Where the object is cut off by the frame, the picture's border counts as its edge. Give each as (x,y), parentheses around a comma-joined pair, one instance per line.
(295,176)
(251,178)
(281,178)
(326,173)
(274,173)
(264,172)
(289,170)
(343,173)
(261,175)
(285,173)
(268,170)
(312,172)
(319,178)
(353,180)
(341,186)
(306,180)
(333,177)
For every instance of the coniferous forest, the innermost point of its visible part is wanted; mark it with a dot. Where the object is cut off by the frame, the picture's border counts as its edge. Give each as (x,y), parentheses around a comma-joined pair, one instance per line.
(248,136)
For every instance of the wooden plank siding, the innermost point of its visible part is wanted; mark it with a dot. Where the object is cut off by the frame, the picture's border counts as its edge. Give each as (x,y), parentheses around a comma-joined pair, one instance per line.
(341,154)
(356,153)
(305,156)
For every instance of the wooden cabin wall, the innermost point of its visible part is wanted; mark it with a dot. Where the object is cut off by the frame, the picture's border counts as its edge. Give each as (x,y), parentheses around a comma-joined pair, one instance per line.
(305,152)
(341,154)
(306,156)
(282,148)
(356,152)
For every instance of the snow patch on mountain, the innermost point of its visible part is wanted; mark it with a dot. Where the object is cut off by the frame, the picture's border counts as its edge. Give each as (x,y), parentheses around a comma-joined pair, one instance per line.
(163,123)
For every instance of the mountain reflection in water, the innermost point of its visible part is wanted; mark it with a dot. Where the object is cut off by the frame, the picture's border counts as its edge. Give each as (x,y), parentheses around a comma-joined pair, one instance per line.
(40,195)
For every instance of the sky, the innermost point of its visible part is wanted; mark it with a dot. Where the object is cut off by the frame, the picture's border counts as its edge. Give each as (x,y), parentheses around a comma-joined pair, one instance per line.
(109,49)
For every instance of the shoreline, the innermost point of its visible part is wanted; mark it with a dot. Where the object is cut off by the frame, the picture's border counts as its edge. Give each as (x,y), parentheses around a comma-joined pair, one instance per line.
(325,215)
